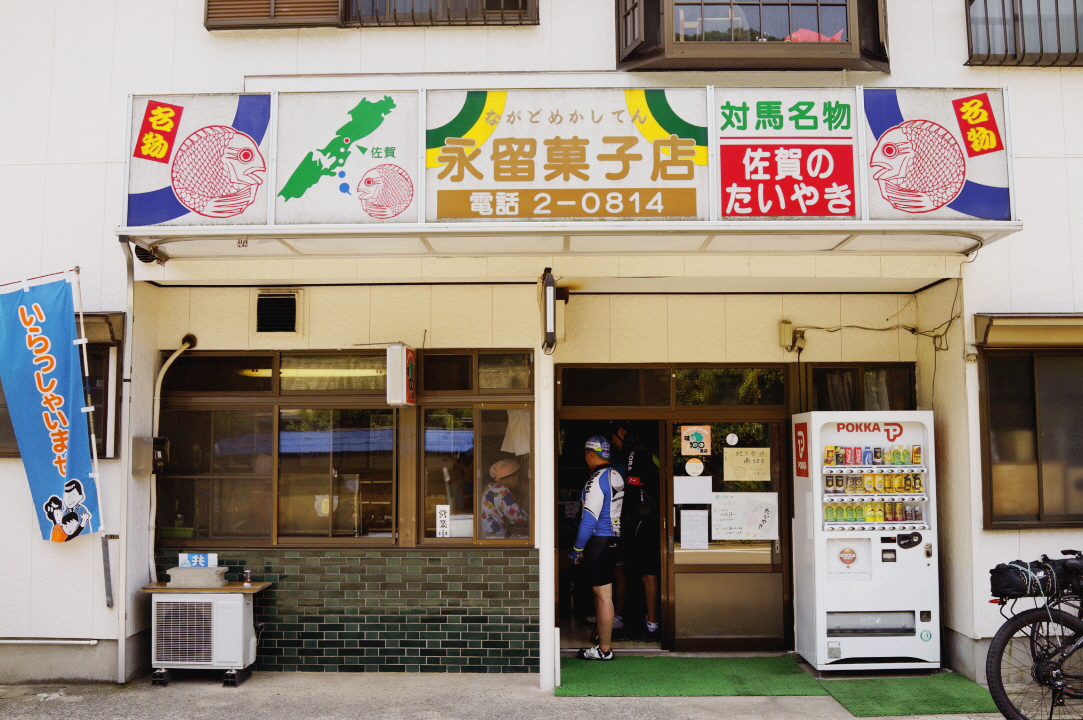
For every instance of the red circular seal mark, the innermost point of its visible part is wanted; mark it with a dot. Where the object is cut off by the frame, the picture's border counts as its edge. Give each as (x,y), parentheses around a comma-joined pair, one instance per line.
(847,556)
(385,191)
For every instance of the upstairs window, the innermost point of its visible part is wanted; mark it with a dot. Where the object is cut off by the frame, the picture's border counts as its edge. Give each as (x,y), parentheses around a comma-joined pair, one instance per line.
(235,14)
(746,34)
(441,12)
(1032,33)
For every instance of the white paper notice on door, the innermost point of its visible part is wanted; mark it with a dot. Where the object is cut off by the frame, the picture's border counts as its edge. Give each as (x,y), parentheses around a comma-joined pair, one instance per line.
(693,529)
(691,490)
(744,516)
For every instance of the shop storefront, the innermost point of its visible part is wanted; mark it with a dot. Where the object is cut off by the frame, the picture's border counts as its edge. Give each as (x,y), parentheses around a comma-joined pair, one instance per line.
(427,536)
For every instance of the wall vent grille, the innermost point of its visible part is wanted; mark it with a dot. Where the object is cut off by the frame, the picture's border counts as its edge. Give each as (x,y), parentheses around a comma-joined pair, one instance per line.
(276,313)
(183,632)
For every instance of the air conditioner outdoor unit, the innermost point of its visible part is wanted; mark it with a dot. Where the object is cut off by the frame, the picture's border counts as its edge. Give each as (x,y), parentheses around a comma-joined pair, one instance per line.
(193,630)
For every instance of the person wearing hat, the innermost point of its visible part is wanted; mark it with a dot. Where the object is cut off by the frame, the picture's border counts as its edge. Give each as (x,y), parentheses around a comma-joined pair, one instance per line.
(499,510)
(596,542)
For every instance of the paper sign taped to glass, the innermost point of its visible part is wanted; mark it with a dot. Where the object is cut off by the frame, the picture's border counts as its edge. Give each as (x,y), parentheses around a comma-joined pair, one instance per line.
(744,516)
(746,464)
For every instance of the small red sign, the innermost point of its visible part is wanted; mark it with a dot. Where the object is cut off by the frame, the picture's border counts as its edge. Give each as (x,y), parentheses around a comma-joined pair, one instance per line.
(411,376)
(978,125)
(800,445)
(158,131)
(787,179)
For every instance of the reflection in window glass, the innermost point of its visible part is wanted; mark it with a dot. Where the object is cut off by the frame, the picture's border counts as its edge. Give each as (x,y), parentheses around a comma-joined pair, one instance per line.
(336,472)
(889,388)
(217,482)
(504,459)
(322,373)
(1012,437)
(1060,402)
(730,386)
(504,371)
(615,387)
(448,372)
(835,389)
(448,469)
(220,373)
(767,21)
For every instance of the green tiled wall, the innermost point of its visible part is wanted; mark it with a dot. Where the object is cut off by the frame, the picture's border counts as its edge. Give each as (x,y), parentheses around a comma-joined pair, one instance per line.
(391,611)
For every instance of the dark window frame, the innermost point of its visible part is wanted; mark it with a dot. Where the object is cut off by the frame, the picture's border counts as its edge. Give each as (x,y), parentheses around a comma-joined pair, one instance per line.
(225,15)
(408,514)
(1012,38)
(475,389)
(477,405)
(989,522)
(865,48)
(804,403)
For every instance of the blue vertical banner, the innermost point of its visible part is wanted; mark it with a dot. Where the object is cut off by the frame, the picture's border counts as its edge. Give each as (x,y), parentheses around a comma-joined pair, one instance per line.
(41,369)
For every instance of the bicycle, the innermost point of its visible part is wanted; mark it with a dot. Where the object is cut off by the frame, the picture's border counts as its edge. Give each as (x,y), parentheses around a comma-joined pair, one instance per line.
(1035,661)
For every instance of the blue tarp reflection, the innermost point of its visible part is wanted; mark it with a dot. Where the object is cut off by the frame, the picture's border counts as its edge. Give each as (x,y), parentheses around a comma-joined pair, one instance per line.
(345,441)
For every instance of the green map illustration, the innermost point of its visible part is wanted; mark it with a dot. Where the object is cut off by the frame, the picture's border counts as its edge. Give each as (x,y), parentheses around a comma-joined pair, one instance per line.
(325,162)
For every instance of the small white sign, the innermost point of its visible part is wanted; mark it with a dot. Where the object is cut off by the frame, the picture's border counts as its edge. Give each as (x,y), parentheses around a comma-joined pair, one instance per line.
(443,521)
(744,516)
(692,490)
(694,467)
(732,439)
(849,559)
(694,530)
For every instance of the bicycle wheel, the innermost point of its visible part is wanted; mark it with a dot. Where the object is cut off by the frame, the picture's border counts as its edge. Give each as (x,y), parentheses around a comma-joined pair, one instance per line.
(1030,675)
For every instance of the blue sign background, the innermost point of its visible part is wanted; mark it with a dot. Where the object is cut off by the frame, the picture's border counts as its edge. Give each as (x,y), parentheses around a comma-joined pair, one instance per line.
(23,355)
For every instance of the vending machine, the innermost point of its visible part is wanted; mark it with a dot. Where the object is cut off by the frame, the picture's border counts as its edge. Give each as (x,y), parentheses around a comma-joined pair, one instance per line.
(866,593)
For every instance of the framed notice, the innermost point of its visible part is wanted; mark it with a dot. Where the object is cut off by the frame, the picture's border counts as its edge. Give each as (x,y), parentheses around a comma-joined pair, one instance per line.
(744,516)
(695,439)
(745,464)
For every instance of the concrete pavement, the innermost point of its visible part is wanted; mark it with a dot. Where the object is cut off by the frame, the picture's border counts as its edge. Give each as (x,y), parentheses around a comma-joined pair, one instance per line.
(387,696)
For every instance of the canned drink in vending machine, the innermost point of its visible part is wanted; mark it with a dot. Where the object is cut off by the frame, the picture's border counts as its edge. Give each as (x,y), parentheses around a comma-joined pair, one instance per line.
(869,482)
(857,456)
(900,512)
(840,455)
(877,456)
(905,454)
(915,455)
(879,483)
(918,486)
(829,455)
(829,486)
(848,456)
(909,486)
(866,457)
(909,513)
(859,512)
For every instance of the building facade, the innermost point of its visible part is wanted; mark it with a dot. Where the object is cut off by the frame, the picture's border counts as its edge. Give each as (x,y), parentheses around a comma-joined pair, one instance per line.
(429,537)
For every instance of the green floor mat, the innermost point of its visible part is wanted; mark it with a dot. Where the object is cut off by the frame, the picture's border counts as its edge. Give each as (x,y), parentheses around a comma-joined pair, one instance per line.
(934,695)
(645,676)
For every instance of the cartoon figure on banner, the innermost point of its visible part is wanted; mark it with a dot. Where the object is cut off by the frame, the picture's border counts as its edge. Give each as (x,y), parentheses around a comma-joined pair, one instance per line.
(918,166)
(69,516)
(385,191)
(217,171)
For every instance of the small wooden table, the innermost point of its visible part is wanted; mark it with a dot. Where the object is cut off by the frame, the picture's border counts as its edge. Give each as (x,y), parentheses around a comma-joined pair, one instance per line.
(233,678)
(233,587)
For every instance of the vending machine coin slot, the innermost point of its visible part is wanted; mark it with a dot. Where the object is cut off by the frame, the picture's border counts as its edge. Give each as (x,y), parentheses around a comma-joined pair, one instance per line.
(926,615)
(887,556)
(909,540)
(928,550)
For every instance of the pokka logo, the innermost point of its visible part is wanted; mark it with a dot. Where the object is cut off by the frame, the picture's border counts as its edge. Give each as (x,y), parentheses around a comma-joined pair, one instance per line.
(892,430)
(847,556)
(801,442)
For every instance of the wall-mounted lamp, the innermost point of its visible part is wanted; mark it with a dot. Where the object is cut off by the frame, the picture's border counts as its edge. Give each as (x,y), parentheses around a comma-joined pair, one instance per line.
(549,311)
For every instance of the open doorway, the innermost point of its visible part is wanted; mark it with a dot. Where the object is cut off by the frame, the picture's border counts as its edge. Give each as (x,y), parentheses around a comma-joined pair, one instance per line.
(633,586)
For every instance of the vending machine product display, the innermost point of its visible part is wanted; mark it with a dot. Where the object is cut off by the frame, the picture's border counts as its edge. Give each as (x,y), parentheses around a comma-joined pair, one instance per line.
(866,592)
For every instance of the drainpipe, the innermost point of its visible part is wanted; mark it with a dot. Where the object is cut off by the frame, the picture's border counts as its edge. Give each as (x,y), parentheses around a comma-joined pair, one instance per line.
(124,398)
(188,341)
(545,502)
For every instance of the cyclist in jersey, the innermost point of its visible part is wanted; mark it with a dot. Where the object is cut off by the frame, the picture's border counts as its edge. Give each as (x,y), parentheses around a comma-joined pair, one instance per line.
(596,542)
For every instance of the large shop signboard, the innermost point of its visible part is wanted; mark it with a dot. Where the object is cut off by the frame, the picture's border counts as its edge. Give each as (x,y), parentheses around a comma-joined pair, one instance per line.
(567,155)
(750,155)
